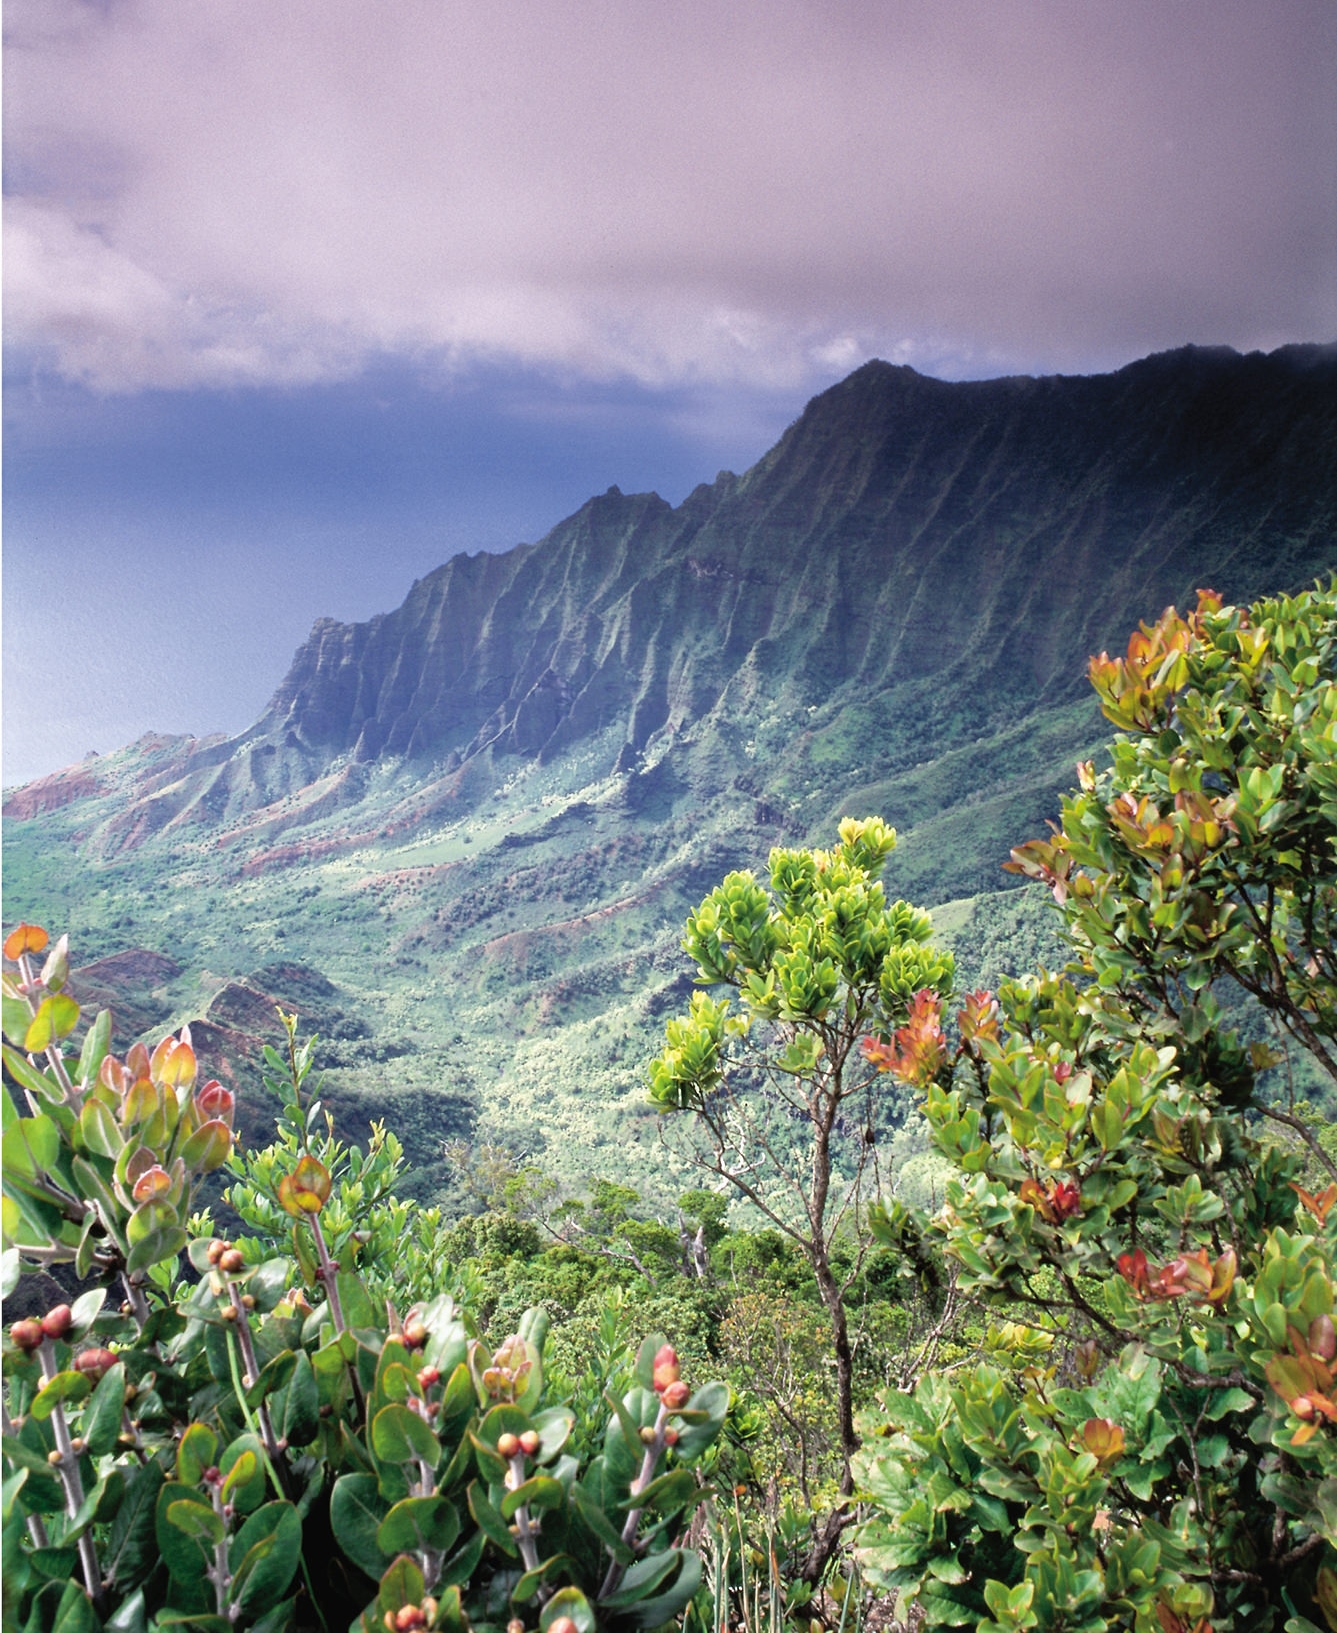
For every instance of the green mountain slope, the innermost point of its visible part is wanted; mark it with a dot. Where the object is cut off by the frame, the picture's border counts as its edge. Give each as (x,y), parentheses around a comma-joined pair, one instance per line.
(482,816)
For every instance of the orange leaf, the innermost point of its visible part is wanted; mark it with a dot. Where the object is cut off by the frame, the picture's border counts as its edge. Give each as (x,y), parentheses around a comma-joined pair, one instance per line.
(27,938)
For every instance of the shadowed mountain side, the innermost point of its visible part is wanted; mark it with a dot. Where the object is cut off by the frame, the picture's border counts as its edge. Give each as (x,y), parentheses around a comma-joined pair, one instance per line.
(984,537)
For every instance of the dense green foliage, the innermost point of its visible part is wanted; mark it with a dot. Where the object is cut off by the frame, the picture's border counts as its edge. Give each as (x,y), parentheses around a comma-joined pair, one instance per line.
(1157,1449)
(269,1444)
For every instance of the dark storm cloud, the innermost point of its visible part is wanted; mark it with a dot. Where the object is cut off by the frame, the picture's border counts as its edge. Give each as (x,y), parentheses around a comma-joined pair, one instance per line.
(751,192)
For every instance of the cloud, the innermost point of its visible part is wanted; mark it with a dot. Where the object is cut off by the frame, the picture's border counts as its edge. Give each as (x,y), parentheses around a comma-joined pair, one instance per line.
(752,191)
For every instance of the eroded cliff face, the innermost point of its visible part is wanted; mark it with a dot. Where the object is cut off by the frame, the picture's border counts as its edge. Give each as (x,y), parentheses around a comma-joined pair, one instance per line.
(951,551)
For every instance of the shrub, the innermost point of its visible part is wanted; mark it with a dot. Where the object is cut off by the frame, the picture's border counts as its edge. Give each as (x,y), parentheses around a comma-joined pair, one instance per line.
(252,1438)
(1153,1442)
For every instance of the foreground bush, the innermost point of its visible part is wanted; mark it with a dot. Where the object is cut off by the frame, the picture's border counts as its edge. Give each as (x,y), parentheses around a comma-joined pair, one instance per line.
(265,1444)
(1154,1443)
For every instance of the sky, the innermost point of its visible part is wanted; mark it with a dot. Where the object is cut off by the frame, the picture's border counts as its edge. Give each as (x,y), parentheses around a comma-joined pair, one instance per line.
(302,299)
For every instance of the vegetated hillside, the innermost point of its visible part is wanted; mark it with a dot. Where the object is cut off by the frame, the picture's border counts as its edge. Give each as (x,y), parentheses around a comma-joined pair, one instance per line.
(483,815)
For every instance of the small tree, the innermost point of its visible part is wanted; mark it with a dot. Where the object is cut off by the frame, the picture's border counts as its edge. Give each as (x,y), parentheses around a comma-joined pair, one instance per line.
(784,1101)
(1153,1441)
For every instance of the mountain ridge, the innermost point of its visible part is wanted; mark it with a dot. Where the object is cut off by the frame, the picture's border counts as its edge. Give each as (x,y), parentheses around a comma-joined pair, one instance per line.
(638,615)
(484,813)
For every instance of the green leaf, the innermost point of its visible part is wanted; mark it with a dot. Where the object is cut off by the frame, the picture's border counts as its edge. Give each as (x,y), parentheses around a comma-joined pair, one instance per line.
(489,1521)
(296,1407)
(159,1245)
(695,1438)
(401,1585)
(265,1553)
(668,1605)
(245,1469)
(30,1147)
(97,1045)
(399,1435)
(568,1602)
(196,1519)
(56,1017)
(29,1077)
(530,1583)
(86,1309)
(418,1524)
(356,1512)
(357,1304)
(196,1451)
(207,1148)
(101,1427)
(668,1493)
(539,1493)
(98,1132)
(185,1555)
(76,1613)
(461,1567)
(248,1488)
(65,1386)
(598,1521)
(131,1550)
(17,1018)
(642,1579)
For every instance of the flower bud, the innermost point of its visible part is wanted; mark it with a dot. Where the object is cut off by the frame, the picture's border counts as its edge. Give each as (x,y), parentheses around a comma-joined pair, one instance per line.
(670,1437)
(416,1335)
(428,1376)
(231,1261)
(216,1250)
(1303,1407)
(53,1458)
(1323,1338)
(529,1442)
(562,1624)
(27,1335)
(389,1620)
(248,1301)
(94,1363)
(429,1609)
(508,1445)
(648,1435)
(57,1323)
(515,1625)
(677,1395)
(78,1445)
(665,1372)
(228,1312)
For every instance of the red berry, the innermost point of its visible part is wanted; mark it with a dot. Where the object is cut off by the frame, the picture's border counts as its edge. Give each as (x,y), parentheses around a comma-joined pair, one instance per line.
(56,1323)
(666,1367)
(27,1334)
(93,1363)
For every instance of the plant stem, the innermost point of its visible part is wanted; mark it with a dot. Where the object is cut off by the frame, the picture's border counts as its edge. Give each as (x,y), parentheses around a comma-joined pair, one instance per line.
(328,1273)
(653,1452)
(67,1467)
